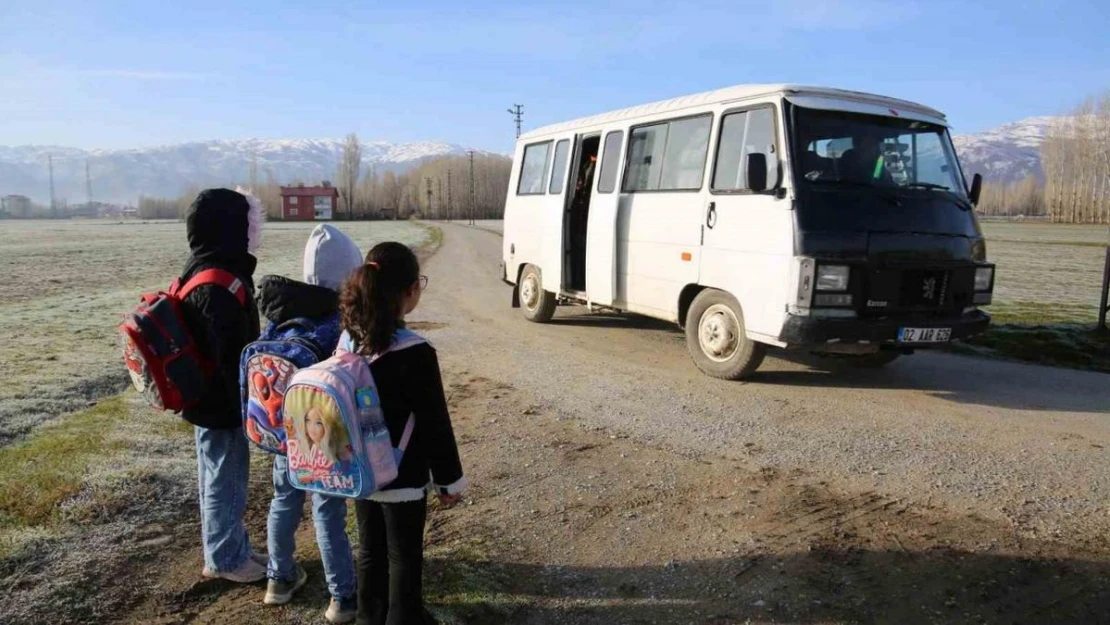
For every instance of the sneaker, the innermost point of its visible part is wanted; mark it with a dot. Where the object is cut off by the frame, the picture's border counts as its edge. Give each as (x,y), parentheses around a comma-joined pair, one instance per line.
(260,558)
(281,593)
(247,573)
(341,610)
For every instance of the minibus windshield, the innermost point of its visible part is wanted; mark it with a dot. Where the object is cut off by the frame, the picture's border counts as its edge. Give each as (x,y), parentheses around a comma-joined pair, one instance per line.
(893,155)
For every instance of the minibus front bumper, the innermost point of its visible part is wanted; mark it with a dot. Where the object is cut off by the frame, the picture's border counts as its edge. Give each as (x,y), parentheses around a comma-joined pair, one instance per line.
(816,330)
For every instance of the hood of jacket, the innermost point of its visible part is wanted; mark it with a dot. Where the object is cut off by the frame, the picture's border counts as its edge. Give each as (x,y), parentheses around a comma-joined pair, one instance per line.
(217,224)
(330,257)
(281,299)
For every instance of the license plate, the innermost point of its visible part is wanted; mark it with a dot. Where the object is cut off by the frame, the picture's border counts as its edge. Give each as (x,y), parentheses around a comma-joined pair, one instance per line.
(924,335)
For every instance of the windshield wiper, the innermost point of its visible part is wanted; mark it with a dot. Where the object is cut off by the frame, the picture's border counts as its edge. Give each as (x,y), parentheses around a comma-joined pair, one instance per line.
(961,202)
(927,185)
(885,191)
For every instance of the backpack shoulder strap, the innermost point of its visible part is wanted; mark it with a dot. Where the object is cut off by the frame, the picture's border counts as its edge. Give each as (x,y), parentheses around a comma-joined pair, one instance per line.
(217,277)
(402,340)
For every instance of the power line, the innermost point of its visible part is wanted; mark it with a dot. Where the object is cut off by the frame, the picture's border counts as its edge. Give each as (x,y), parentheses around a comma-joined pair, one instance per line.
(53,203)
(450,201)
(470,153)
(88,184)
(517,111)
(428,183)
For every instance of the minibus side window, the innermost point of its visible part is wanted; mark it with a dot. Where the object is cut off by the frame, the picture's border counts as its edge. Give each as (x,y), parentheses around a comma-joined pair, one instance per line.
(669,156)
(610,162)
(533,168)
(645,158)
(684,159)
(559,168)
(743,133)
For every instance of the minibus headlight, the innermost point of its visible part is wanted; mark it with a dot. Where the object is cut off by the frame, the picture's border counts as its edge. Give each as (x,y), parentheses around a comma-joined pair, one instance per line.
(832,278)
(984,278)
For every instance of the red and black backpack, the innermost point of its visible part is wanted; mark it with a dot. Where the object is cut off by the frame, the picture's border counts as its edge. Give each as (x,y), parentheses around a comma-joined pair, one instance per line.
(163,359)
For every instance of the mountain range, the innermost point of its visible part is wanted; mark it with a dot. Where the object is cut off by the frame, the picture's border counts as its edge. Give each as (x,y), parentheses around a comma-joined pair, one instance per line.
(1007,153)
(167,171)
(1003,154)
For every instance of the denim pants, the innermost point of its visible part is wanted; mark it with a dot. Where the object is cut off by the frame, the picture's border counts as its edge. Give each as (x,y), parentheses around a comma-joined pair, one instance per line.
(223,464)
(391,563)
(330,517)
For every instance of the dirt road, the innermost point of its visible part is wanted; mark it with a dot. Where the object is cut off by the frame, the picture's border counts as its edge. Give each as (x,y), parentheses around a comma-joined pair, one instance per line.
(613,483)
(1004,440)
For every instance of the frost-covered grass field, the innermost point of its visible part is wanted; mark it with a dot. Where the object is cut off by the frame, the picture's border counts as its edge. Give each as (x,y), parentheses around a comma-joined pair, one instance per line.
(91,479)
(1047,273)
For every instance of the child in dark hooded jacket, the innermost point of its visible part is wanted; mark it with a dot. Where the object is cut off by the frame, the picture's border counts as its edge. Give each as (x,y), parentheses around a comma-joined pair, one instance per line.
(223,227)
(329,258)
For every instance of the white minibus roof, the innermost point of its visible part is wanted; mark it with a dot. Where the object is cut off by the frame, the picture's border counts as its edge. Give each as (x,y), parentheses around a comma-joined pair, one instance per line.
(812,97)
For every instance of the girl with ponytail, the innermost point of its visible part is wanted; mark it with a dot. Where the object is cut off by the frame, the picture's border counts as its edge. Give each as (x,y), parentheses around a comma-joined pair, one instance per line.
(373,306)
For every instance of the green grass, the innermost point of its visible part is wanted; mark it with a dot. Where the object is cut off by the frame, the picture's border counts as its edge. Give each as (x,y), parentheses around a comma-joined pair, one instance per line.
(50,466)
(1029,313)
(463,585)
(1073,346)
(433,238)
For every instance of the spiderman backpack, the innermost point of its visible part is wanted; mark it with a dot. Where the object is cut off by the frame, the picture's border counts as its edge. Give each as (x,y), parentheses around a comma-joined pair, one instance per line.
(265,368)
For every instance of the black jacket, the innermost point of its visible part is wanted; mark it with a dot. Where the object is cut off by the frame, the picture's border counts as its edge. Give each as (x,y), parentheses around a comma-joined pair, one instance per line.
(217,227)
(281,299)
(409,382)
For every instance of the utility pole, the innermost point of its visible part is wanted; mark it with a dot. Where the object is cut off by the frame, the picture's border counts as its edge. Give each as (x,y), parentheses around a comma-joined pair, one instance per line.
(88,185)
(470,153)
(450,203)
(517,111)
(53,202)
(439,183)
(428,182)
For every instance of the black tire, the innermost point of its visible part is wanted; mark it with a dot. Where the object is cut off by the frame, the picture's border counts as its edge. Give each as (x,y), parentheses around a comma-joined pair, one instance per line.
(725,351)
(878,360)
(538,305)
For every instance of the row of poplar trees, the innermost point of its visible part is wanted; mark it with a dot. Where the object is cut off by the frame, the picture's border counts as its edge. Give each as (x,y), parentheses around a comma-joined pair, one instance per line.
(1076,160)
(1075,157)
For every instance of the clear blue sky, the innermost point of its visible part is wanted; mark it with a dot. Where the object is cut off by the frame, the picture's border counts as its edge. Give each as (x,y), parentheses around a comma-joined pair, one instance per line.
(104,73)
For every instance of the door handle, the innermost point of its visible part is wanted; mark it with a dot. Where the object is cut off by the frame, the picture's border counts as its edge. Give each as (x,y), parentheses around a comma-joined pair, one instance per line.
(711,216)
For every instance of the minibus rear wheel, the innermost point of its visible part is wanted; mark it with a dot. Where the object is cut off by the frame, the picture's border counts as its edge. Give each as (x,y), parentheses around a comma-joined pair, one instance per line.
(716,338)
(538,304)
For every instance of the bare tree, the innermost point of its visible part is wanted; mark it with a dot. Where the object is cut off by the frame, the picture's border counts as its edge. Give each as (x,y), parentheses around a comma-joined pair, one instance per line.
(350,166)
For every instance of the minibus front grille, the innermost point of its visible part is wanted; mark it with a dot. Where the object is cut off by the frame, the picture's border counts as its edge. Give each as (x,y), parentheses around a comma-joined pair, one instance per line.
(919,290)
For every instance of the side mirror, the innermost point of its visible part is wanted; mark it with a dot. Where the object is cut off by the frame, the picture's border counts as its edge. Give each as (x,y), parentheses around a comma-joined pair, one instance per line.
(757,172)
(976,189)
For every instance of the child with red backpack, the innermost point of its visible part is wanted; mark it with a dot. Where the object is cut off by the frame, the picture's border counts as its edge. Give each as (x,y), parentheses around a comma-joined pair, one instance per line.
(224,228)
(405,369)
(303,330)
(181,347)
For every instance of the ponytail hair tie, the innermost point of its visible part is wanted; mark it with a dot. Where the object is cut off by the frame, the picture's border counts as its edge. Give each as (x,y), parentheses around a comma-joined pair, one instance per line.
(373,264)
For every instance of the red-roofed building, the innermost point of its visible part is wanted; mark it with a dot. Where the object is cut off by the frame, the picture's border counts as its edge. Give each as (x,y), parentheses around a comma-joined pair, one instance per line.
(308,203)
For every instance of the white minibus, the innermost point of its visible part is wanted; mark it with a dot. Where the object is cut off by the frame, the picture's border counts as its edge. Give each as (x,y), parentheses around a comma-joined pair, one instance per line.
(754,216)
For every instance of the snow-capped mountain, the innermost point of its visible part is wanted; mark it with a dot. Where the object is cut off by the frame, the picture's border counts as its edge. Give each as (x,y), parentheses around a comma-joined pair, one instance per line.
(1007,153)
(166,171)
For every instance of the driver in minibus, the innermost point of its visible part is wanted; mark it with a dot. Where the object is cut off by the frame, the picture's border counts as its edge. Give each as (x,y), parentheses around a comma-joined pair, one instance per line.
(864,161)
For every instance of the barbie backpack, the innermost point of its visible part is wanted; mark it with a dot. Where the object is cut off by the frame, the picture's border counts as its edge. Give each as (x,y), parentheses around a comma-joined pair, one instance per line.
(338,443)
(265,367)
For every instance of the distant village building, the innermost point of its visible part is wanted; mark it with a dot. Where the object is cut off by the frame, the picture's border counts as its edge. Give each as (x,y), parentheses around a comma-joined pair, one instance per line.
(308,203)
(16,205)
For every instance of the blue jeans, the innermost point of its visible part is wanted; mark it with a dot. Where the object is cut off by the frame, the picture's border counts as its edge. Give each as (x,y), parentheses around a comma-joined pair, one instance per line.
(330,517)
(223,464)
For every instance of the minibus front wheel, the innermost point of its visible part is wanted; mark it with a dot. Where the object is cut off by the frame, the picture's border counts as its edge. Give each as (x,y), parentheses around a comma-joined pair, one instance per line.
(538,304)
(716,338)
